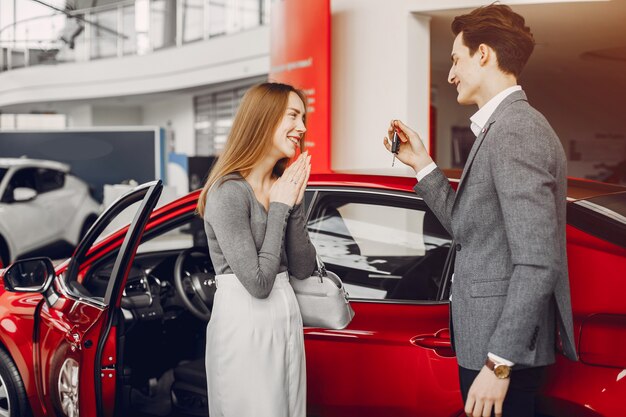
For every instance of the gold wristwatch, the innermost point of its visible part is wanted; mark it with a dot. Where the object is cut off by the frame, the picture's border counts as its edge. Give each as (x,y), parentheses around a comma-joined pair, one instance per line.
(501,370)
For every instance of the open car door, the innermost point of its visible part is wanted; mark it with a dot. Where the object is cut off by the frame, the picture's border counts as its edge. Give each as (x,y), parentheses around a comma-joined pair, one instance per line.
(75,337)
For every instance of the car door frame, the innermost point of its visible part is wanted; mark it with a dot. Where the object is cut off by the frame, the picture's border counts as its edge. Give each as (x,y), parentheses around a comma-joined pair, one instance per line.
(434,343)
(103,312)
(316,192)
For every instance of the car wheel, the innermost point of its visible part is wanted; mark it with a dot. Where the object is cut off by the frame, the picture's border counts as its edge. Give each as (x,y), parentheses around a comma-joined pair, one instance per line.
(12,395)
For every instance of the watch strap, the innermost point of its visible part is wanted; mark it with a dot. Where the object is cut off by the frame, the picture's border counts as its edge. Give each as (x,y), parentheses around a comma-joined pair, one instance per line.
(503,371)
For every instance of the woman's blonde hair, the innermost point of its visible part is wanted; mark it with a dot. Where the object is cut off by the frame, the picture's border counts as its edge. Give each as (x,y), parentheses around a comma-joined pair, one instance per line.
(261,110)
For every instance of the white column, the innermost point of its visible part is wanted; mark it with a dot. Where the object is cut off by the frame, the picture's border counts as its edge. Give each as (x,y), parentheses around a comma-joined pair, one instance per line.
(380,71)
(418,76)
(80,116)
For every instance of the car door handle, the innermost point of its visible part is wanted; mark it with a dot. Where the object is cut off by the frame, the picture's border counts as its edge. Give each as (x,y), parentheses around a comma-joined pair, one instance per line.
(73,339)
(439,342)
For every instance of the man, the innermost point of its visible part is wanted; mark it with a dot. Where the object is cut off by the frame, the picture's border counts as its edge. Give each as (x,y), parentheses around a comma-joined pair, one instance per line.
(510,290)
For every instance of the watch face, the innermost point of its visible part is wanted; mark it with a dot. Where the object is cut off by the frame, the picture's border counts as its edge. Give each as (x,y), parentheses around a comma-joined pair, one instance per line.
(502,371)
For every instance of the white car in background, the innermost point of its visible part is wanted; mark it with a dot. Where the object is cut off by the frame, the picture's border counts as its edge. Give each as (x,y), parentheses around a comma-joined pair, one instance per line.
(44,209)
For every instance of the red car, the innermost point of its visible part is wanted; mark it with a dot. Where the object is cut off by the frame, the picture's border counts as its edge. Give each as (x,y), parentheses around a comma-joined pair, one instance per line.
(118,329)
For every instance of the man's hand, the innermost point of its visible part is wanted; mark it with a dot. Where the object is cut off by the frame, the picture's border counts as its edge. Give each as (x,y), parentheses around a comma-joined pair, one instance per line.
(412,151)
(486,394)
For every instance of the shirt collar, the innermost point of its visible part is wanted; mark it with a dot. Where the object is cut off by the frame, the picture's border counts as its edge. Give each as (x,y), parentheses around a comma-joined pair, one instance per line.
(480,118)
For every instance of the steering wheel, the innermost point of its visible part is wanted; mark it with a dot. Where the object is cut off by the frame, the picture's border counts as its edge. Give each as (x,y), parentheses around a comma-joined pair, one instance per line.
(194,279)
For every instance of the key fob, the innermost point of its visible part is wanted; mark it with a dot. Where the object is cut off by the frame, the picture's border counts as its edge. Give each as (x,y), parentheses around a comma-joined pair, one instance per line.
(395,143)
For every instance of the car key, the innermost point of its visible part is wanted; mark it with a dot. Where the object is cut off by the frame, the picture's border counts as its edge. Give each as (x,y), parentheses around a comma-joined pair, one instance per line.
(395,146)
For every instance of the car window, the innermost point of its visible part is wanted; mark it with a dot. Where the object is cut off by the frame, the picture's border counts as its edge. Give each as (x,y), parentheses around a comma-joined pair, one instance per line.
(93,284)
(2,172)
(50,179)
(172,236)
(308,197)
(24,178)
(185,236)
(390,251)
(96,286)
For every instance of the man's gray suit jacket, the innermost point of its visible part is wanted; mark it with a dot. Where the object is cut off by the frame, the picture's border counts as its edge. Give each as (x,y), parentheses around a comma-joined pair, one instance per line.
(510,292)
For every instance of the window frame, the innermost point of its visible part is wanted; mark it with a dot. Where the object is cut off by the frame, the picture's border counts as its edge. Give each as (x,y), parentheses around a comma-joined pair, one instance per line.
(39,179)
(392,198)
(11,174)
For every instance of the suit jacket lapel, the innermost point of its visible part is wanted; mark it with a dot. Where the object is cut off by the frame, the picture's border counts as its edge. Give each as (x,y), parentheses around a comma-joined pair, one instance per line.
(472,154)
(511,98)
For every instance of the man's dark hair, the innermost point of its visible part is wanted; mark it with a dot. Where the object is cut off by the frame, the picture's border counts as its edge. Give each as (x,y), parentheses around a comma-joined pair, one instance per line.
(500,28)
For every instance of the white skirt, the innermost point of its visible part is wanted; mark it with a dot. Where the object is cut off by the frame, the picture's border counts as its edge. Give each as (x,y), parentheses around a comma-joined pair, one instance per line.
(255,352)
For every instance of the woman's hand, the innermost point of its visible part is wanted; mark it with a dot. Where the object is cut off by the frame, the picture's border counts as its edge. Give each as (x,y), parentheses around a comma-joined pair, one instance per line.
(287,188)
(412,151)
(306,179)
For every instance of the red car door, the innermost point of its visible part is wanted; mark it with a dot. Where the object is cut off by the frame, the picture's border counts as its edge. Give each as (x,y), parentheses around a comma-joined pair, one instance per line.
(75,340)
(395,358)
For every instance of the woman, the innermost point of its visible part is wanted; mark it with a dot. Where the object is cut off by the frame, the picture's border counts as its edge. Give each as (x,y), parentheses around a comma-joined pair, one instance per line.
(256,229)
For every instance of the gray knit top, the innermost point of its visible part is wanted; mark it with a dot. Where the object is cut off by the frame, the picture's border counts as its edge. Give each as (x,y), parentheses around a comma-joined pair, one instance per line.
(252,243)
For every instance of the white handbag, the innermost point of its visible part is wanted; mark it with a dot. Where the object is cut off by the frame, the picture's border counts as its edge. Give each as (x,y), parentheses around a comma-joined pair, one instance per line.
(323,299)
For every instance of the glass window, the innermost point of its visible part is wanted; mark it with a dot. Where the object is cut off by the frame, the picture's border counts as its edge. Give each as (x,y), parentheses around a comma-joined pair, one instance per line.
(50,180)
(308,198)
(162,23)
(129,41)
(96,286)
(185,236)
(193,20)
(381,251)
(217,17)
(105,34)
(175,237)
(2,172)
(214,114)
(23,178)
(250,13)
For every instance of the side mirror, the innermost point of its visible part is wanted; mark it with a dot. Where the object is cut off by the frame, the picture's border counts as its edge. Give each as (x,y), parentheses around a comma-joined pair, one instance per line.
(29,275)
(22,194)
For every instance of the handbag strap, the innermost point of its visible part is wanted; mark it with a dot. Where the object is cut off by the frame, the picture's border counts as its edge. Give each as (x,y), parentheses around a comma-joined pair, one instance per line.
(321,268)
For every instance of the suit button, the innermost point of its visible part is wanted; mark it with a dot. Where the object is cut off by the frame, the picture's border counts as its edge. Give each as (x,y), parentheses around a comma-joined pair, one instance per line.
(458,247)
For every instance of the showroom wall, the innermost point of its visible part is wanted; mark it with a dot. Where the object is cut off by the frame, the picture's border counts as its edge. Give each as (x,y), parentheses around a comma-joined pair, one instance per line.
(449,114)
(116,116)
(176,115)
(380,71)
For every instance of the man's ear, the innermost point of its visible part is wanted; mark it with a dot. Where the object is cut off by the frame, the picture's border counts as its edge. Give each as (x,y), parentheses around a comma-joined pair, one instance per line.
(486,54)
